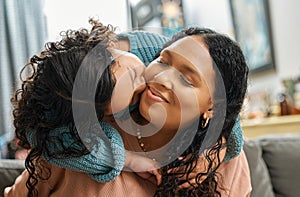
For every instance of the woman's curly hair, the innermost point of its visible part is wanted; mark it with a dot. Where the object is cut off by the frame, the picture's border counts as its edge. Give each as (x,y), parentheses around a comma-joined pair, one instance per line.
(44,101)
(230,62)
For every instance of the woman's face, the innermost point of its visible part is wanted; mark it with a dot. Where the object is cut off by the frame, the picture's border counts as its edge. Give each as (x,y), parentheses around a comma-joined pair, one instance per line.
(129,81)
(180,83)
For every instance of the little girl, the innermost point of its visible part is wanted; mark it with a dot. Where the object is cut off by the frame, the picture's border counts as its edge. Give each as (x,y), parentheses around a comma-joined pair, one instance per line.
(43,114)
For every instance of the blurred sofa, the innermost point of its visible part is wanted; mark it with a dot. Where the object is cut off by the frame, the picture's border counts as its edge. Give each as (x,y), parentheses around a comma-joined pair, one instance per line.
(274,163)
(9,170)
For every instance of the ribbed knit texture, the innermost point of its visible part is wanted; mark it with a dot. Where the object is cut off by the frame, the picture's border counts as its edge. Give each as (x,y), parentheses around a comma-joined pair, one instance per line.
(103,164)
(145,44)
(235,141)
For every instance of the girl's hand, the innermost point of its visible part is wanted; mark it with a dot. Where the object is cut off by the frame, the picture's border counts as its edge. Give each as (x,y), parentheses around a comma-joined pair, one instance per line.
(143,166)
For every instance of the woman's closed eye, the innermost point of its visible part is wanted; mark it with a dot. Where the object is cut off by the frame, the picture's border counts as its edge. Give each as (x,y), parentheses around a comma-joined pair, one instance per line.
(181,76)
(185,80)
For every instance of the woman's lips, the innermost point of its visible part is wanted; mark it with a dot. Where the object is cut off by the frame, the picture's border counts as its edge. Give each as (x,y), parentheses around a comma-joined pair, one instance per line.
(155,96)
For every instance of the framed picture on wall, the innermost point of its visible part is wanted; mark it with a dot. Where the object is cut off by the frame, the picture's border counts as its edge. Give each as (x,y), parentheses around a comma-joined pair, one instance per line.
(163,16)
(251,21)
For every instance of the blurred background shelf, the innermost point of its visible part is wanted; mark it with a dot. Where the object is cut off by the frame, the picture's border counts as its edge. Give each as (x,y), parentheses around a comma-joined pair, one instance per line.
(253,128)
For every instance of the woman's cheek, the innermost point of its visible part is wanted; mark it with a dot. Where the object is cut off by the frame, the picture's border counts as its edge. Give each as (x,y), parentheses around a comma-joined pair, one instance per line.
(152,70)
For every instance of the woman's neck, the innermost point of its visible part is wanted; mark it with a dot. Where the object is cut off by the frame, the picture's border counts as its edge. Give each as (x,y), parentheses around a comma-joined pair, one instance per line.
(150,135)
(146,134)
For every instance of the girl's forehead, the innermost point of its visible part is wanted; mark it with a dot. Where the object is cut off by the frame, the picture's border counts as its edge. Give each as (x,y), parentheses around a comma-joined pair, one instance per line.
(126,59)
(125,63)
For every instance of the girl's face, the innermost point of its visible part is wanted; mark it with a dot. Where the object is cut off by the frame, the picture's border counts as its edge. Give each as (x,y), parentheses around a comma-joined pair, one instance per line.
(129,81)
(180,83)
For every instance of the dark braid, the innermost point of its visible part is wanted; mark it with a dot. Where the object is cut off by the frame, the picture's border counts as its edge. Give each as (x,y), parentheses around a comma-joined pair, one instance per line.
(229,60)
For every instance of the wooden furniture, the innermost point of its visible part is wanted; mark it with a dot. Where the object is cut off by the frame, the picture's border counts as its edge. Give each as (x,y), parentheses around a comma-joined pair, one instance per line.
(253,128)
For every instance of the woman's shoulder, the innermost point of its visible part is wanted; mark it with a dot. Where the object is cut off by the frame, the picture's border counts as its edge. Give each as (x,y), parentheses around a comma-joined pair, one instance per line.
(234,176)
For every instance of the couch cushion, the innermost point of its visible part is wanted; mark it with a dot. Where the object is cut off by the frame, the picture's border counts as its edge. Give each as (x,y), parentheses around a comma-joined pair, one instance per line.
(260,178)
(282,157)
(9,170)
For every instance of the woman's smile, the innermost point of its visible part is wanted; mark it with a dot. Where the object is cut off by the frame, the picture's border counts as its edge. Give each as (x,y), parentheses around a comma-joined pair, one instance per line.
(155,95)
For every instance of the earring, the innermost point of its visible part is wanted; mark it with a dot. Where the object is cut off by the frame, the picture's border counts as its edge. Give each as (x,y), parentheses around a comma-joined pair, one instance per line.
(205,123)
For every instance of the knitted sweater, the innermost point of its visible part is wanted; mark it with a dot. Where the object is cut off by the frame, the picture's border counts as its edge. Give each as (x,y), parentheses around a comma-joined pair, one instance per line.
(105,160)
(105,163)
(144,44)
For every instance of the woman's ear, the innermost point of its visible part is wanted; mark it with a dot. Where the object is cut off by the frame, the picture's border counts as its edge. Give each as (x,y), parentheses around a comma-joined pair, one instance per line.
(206,117)
(208,114)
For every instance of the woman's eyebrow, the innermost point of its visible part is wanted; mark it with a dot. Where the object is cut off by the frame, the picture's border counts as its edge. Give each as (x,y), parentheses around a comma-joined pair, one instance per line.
(189,70)
(184,65)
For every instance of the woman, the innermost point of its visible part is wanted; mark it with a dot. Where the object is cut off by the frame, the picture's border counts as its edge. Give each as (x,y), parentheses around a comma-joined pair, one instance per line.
(208,68)
(146,45)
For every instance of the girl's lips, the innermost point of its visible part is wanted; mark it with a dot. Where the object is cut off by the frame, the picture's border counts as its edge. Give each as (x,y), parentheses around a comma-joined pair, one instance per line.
(154,96)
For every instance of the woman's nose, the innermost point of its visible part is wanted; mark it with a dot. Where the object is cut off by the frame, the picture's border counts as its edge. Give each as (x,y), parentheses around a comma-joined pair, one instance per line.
(165,78)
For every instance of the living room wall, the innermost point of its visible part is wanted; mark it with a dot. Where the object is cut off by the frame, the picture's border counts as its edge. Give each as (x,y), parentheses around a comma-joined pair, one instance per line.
(285,20)
(68,14)
(216,14)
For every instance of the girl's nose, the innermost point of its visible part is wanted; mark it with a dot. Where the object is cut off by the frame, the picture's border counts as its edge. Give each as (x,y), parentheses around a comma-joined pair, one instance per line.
(139,81)
(139,84)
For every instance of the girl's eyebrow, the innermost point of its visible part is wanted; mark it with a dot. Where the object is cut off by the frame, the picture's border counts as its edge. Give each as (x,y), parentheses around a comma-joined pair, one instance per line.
(164,53)
(132,72)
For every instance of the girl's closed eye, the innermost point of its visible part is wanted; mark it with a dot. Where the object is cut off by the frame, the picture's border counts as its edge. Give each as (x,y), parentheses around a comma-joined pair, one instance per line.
(161,62)
(132,73)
